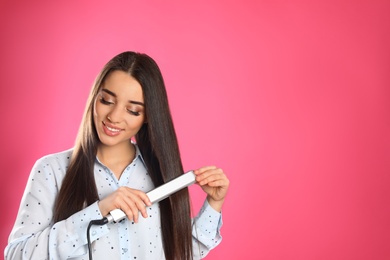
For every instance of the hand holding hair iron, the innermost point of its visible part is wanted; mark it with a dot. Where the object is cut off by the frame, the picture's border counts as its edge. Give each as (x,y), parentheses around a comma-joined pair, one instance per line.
(158,193)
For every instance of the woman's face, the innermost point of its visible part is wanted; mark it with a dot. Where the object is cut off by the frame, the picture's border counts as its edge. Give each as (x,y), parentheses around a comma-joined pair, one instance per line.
(119,109)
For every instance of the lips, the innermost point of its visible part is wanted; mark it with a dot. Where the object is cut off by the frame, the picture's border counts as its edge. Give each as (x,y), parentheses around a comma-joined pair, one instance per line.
(111,130)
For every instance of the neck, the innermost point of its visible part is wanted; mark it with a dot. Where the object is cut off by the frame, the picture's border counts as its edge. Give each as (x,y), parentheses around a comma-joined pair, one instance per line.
(116,157)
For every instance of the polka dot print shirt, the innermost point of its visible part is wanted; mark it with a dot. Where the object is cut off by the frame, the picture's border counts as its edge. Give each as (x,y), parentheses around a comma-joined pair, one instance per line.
(35,236)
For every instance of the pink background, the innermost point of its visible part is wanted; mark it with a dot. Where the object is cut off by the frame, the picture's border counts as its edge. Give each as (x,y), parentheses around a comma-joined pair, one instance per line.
(290,98)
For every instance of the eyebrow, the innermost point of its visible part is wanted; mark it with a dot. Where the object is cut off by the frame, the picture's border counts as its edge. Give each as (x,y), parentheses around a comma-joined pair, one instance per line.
(130,101)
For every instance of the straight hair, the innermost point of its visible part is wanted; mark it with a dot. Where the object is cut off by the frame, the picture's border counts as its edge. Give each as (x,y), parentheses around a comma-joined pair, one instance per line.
(157,142)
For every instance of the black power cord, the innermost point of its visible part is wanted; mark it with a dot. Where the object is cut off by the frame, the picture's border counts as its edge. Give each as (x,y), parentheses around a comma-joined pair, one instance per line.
(98,222)
(115,216)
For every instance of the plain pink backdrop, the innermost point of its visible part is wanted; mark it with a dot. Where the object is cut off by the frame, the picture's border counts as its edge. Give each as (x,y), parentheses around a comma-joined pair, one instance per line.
(290,98)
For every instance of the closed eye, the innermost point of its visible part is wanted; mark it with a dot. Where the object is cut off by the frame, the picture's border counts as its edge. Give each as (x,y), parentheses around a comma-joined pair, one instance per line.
(135,113)
(105,102)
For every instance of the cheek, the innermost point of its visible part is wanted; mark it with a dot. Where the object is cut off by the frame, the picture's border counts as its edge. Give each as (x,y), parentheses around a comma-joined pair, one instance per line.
(96,113)
(97,110)
(137,123)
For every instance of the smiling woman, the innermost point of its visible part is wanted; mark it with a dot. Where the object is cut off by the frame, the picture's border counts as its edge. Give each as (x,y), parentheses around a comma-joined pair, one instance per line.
(118,116)
(106,170)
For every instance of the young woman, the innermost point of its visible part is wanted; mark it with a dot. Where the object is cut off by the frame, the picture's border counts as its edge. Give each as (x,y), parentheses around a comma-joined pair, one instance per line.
(106,170)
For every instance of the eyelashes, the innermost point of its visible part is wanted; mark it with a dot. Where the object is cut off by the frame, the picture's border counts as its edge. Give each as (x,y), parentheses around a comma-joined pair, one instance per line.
(134,113)
(105,102)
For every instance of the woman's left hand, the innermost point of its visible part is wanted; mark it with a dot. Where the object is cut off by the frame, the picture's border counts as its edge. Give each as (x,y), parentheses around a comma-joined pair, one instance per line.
(215,183)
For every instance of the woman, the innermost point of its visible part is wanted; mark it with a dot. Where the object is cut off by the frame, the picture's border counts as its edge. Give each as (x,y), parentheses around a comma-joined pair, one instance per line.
(106,170)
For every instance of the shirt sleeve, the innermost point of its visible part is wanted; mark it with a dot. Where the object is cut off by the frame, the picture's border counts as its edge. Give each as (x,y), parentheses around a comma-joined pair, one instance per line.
(35,235)
(206,228)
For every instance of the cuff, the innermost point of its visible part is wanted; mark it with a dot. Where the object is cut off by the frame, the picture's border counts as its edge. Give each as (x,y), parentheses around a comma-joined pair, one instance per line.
(208,224)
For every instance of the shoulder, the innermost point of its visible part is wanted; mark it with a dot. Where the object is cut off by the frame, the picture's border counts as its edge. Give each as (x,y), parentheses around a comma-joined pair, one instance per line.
(59,156)
(49,170)
(55,160)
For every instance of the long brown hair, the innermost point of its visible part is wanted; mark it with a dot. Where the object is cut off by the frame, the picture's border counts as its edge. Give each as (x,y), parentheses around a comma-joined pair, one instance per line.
(157,142)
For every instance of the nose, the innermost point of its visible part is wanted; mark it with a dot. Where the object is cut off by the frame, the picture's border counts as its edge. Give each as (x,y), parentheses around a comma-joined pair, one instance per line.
(116,114)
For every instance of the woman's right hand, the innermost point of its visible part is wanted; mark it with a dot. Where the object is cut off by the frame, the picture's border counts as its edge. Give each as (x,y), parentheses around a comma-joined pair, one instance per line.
(130,201)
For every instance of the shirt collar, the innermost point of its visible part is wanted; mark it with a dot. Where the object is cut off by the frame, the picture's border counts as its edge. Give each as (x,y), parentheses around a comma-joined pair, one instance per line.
(138,153)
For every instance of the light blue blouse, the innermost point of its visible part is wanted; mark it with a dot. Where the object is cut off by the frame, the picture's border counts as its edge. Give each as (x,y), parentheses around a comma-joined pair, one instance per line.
(35,236)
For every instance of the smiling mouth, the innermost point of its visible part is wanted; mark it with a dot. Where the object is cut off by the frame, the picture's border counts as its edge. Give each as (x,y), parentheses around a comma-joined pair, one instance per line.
(114,130)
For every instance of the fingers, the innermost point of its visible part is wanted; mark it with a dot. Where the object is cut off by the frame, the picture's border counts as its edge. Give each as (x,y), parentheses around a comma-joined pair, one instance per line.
(130,201)
(205,168)
(134,202)
(214,183)
(211,176)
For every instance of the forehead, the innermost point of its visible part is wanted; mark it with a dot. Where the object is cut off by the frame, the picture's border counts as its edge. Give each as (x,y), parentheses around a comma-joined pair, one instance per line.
(123,86)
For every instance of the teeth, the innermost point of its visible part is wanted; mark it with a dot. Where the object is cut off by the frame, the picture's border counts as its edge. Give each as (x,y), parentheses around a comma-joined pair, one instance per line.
(113,129)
